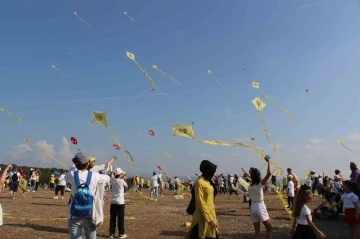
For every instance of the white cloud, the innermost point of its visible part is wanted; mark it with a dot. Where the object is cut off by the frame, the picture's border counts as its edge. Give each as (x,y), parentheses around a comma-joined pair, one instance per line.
(354,137)
(316,141)
(61,153)
(19,150)
(64,154)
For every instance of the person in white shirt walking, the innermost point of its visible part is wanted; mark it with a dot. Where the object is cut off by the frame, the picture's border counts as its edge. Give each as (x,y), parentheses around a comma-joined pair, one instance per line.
(117,207)
(84,183)
(154,185)
(60,186)
(290,191)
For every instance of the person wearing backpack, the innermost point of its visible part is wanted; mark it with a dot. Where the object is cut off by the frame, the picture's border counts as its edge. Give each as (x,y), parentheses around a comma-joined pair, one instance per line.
(84,185)
(15,178)
(117,207)
(154,185)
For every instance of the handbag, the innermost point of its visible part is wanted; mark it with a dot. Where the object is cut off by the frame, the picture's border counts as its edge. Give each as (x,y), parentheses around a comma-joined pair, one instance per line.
(191,207)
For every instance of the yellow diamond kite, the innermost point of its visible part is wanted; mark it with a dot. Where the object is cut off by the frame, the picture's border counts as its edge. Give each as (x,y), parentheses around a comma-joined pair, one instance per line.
(155,67)
(259,104)
(100,118)
(27,141)
(255,84)
(184,130)
(130,55)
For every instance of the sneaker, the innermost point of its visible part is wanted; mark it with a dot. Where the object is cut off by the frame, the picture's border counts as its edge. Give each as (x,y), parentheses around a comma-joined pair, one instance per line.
(56,197)
(112,236)
(62,197)
(123,236)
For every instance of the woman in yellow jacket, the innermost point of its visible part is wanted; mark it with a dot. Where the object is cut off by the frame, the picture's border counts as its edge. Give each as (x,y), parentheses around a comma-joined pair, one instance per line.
(204,224)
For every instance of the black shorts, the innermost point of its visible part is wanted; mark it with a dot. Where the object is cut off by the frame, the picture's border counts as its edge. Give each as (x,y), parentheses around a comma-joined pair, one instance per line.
(14,186)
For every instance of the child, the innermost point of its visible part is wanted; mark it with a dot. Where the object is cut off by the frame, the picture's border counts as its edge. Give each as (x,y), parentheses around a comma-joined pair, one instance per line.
(117,207)
(302,216)
(350,204)
(290,191)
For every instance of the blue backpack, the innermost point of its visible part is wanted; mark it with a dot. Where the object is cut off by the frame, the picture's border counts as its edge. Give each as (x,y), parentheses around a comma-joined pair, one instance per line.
(82,202)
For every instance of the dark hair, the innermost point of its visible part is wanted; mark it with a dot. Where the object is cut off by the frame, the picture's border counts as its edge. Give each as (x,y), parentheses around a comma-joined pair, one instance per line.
(337,171)
(79,165)
(352,186)
(117,176)
(255,176)
(303,196)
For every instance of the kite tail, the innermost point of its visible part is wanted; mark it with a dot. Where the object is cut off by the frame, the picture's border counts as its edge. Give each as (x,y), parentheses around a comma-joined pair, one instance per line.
(127,157)
(147,75)
(349,148)
(11,115)
(161,148)
(52,157)
(280,107)
(170,77)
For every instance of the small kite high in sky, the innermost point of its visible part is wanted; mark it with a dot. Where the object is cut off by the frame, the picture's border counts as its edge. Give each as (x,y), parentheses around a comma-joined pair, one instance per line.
(131,56)
(77,15)
(75,56)
(129,17)
(212,76)
(167,76)
(256,85)
(65,76)
(11,115)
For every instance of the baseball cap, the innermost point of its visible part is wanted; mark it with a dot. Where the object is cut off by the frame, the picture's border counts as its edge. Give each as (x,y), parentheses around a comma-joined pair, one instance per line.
(118,171)
(92,159)
(290,176)
(82,157)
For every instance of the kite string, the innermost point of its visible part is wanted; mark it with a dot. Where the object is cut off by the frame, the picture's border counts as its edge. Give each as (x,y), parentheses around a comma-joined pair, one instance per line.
(170,77)
(161,148)
(147,75)
(128,159)
(279,106)
(349,148)
(216,81)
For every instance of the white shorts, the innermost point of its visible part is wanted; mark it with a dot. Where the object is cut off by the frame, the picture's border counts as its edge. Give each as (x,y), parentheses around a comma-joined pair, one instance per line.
(258,212)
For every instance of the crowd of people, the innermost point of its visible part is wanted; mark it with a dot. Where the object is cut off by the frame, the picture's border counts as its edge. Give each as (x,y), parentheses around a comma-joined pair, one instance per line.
(88,188)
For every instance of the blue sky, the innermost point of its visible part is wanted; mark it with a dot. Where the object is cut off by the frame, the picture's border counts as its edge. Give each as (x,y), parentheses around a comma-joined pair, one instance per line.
(285,48)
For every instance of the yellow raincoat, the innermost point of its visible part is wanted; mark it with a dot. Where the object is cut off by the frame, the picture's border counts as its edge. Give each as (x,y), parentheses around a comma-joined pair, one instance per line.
(204,210)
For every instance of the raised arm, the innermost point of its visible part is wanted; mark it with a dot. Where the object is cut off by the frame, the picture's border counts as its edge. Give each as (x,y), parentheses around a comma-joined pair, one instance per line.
(3,175)
(110,161)
(246,173)
(268,174)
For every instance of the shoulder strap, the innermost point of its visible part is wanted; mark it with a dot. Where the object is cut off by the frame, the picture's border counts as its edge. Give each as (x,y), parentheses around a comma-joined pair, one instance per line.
(88,179)
(76,178)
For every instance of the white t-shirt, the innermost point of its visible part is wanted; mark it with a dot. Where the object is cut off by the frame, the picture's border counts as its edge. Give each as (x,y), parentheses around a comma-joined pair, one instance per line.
(256,192)
(291,189)
(117,194)
(337,186)
(305,211)
(97,168)
(96,181)
(61,180)
(349,199)
(154,182)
